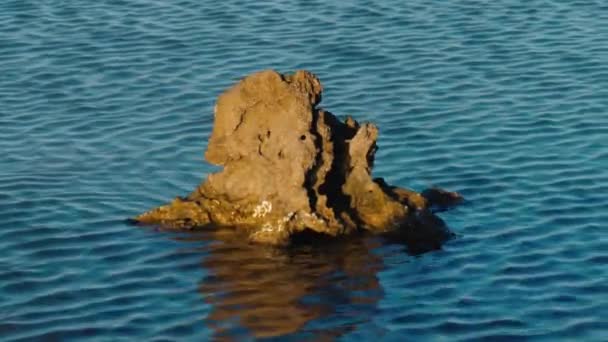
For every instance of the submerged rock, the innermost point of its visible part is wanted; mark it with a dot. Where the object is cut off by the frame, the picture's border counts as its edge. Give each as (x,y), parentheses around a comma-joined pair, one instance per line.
(289,166)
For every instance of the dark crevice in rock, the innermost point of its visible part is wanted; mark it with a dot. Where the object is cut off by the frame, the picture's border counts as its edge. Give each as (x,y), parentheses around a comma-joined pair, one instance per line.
(337,200)
(311,175)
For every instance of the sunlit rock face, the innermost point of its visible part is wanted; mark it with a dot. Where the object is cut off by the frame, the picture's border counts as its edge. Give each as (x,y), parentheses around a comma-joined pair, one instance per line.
(290,166)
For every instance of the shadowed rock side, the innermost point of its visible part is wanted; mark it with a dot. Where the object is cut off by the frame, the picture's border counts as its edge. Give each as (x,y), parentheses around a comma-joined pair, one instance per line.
(289,166)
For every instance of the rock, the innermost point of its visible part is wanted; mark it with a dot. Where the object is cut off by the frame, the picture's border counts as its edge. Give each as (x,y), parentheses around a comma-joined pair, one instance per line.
(440,200)
(288,167)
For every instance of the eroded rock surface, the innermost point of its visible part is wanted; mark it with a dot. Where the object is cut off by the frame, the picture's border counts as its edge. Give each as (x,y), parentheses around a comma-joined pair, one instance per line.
(289,166)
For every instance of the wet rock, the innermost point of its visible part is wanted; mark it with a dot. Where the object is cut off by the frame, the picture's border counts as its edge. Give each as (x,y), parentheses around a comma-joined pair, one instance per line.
(289,167)
(440,200)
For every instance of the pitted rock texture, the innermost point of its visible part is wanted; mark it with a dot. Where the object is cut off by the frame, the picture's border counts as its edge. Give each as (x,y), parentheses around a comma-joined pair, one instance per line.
(289,166)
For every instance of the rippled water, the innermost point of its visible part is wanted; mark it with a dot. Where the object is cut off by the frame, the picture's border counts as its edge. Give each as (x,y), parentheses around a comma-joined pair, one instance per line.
(105,108)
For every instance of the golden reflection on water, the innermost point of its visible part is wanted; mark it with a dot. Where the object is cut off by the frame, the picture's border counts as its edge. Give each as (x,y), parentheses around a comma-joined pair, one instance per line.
(273,292)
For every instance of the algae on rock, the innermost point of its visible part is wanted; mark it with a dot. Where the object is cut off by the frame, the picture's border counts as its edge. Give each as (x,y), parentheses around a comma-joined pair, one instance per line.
(289,166)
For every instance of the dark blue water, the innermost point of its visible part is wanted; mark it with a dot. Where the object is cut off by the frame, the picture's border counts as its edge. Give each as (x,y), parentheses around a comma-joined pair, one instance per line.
(106,106)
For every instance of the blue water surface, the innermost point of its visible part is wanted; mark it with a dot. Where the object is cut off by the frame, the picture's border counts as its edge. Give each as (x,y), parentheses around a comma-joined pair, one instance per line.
(106,106)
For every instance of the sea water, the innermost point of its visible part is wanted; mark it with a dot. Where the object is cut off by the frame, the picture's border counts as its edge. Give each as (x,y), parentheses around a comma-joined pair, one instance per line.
(106,107)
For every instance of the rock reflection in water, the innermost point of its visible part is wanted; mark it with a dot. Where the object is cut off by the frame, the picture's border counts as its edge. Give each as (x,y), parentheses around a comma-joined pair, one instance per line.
(264,291)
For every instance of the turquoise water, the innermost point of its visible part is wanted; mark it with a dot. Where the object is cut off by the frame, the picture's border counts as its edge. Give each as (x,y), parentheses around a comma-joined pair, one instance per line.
(106,106)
